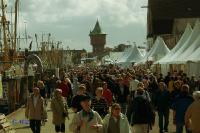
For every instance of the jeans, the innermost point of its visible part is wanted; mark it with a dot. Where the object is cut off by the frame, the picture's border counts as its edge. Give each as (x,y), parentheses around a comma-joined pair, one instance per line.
(163,118)
(35,125)
(179,128)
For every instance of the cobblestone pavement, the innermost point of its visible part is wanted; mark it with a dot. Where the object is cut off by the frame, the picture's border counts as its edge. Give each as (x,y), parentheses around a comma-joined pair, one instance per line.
(49,127)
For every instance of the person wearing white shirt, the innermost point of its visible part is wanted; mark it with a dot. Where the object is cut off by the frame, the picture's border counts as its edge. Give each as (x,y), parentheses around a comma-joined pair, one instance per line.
(133,84)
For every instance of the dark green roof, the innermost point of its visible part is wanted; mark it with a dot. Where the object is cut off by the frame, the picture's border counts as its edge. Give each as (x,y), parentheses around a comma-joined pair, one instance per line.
(97,29)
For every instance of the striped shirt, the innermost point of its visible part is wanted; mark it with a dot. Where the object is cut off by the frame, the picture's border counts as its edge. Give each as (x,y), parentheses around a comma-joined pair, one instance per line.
(100,106)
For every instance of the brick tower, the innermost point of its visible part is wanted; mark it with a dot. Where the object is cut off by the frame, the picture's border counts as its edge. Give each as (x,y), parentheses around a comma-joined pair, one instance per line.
(97,39)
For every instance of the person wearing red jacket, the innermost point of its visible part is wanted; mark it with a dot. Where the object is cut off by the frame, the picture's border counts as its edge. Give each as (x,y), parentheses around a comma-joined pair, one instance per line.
(107,94)
(66,88)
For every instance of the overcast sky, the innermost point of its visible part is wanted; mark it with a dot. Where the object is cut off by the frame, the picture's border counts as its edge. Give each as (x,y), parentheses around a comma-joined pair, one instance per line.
(71,20)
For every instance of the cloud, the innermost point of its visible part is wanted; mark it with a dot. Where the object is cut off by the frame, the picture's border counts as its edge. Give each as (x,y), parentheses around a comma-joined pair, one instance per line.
(72,19)
(121,12)
(56,10)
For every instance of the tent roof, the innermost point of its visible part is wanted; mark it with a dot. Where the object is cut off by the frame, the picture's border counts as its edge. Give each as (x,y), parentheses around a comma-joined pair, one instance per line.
(131,55)
(135,55)
(182,40)
(113,56)
(125,55)
(158,50)
(191,39)
(194,46)
(195,56)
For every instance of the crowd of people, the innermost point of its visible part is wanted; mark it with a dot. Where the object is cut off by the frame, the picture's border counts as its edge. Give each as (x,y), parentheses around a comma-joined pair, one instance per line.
(109,99)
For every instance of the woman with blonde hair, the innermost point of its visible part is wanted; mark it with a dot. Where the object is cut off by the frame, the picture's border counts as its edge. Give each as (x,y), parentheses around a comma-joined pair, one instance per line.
(43,92)
(60,112)
(116,122)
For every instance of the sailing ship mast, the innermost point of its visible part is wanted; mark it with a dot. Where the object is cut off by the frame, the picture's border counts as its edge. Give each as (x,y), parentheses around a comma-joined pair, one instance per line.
(9,52)
(5,41)
(15,25)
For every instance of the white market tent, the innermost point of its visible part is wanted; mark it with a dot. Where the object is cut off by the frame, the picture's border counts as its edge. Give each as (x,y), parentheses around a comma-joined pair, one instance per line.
(132,55)
(180,43)
(112,57)
(191,40)
(125,55)
(195,57)
(158,50)
(193,63)
(186,53)
(193,68)
(135,55)
(190,51)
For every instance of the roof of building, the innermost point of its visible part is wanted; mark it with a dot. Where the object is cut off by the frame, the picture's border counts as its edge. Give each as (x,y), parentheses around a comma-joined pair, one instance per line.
(97,29)
(162,13)
(170,9)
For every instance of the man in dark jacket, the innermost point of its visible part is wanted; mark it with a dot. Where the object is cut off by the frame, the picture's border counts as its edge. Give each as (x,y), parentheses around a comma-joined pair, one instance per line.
(180,105)
(122,93)
(76,100)
(162,104)
(140,113)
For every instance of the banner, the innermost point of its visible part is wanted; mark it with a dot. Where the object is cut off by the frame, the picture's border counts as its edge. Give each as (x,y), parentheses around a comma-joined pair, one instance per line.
(1,88)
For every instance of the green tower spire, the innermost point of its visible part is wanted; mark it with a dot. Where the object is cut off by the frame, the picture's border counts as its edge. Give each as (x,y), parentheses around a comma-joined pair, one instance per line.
(97,29)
